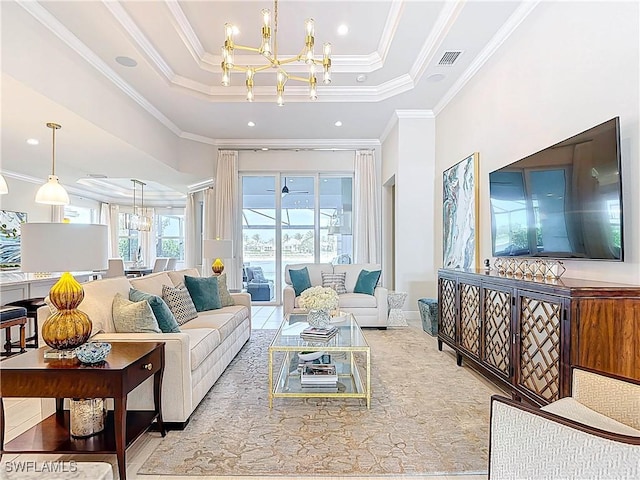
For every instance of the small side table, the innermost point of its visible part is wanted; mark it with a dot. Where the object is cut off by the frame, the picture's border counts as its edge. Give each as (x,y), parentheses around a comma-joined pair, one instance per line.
(396,315)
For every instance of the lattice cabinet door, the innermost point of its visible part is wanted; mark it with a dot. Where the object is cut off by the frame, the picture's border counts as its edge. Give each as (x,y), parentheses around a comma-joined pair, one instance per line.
(496,331)
(448,309)
(538,356)
(470,318)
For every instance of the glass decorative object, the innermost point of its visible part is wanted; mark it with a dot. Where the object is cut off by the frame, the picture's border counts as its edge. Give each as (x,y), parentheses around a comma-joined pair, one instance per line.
(86,416)
(68,328)
(319,318)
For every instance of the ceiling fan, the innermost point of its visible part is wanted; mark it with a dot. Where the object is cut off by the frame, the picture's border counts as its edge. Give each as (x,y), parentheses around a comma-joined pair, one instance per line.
(285,190)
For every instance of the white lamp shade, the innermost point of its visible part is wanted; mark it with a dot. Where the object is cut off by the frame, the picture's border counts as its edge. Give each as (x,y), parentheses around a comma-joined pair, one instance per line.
(52,193)
(63,247)
(218,249)
(3,186)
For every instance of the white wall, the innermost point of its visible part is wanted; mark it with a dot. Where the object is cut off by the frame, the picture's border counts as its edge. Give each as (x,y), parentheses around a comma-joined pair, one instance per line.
(568,67)
(409,156)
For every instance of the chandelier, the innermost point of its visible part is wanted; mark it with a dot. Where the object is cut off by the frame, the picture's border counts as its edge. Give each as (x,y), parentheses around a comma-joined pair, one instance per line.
(134,221)
(269,51)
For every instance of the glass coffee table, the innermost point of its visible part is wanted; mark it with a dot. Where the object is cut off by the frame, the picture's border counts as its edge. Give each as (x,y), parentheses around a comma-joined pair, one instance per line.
(348,350)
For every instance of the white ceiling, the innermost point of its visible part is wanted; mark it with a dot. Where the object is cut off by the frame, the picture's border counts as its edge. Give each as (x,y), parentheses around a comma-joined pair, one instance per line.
(58,64)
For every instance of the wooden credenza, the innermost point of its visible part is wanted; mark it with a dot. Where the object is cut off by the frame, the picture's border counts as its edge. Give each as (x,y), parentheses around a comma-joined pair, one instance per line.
(526,334)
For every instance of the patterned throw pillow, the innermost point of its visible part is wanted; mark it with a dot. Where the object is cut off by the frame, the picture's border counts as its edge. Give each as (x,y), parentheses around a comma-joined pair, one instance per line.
(166,320)
(335,281)
(133,317)
(226,299)
(180,303)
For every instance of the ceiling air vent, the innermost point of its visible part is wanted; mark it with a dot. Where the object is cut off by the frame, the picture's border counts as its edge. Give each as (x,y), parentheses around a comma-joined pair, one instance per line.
(449,57)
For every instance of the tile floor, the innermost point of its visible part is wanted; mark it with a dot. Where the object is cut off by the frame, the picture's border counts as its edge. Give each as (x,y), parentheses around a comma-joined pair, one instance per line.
(262,317)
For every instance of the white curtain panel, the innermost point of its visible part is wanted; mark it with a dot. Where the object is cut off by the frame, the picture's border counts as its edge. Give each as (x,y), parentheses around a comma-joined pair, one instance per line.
(191,237)
(226,210)
(365,228)
(208,225)
(57,213)
(105,220)
(114,227)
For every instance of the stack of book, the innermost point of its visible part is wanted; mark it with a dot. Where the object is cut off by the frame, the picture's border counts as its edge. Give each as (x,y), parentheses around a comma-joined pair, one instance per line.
(319,378)
(317,334)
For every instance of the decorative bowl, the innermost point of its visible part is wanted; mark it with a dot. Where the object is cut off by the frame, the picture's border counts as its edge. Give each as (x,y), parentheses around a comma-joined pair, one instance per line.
(309,356)
(93,352)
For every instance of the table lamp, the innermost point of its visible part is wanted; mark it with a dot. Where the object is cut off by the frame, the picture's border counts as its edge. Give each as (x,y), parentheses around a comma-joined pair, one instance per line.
(217,249)
(64,247)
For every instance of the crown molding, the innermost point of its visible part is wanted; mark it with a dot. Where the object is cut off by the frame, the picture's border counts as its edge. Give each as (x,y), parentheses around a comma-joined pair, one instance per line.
(49,21)
(404,114)
(487,52)
(389,30)
(186,32)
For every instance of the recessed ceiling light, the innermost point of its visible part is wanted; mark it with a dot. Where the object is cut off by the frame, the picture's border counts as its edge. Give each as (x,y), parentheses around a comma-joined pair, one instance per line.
(361,78)
(251,124)
(436,77)
(33,141)
(343,29)
(265,149)
(126,61)
(338,123)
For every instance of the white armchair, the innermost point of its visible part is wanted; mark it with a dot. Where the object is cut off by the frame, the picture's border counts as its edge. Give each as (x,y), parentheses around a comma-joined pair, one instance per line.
(594,434)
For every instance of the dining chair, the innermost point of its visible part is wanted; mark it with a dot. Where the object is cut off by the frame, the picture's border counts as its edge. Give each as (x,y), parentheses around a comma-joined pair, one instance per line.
(116,268)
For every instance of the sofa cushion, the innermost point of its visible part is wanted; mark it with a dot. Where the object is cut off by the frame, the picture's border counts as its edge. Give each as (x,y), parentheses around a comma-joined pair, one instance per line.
(357,300)
(177,276)
(223,291)
(335,281)
(98,297)
(568,407)
(204,292)
(180,303)
(166,321)
(224,320)
(367,282)
(133,317)
(315,271)
(152,283)
(300,280)
(202,342)
(353,271)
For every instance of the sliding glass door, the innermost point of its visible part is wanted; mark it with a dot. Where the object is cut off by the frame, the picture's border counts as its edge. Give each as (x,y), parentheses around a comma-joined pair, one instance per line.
(289,219)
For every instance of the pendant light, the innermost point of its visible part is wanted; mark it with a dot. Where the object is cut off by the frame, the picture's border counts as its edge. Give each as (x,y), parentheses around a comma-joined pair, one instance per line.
(52,193)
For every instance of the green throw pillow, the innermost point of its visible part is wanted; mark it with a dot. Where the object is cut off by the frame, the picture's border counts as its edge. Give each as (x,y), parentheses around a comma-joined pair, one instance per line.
(226,299)
(204,292)
(367,282)
(166,321)
(300,280)
(133,317)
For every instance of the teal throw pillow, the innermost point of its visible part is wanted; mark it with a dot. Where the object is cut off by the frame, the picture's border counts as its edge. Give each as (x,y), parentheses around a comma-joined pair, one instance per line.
(367,281)
(166,321)
(204,292)
(300,280)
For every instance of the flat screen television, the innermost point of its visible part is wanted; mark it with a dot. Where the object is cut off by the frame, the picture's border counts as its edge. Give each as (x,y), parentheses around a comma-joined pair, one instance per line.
(563,202)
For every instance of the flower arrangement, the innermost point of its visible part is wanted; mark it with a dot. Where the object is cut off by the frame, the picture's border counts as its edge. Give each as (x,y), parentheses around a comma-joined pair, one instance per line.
(319,298)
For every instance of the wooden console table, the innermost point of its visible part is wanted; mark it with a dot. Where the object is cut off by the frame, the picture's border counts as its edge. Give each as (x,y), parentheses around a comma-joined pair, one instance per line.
(526,334)
(126,367)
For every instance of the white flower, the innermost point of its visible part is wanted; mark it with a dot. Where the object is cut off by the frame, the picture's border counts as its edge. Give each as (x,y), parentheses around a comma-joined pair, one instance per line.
(319,298)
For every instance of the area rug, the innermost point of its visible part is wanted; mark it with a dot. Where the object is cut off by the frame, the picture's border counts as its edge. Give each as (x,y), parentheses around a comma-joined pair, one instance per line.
(427,417)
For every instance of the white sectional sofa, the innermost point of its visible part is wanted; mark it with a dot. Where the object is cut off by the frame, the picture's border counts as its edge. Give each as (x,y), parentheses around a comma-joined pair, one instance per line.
(194,358)
(369,310)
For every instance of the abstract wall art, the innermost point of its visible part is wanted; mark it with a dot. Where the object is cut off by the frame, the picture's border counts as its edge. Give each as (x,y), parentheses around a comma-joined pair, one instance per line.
(460,214)
(10,238)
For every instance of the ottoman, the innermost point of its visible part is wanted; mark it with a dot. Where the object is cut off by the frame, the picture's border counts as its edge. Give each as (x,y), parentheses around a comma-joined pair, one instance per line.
(429,313)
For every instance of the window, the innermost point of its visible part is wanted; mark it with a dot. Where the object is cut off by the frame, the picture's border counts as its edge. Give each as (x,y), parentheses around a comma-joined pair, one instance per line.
(128,241)
(170,236)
